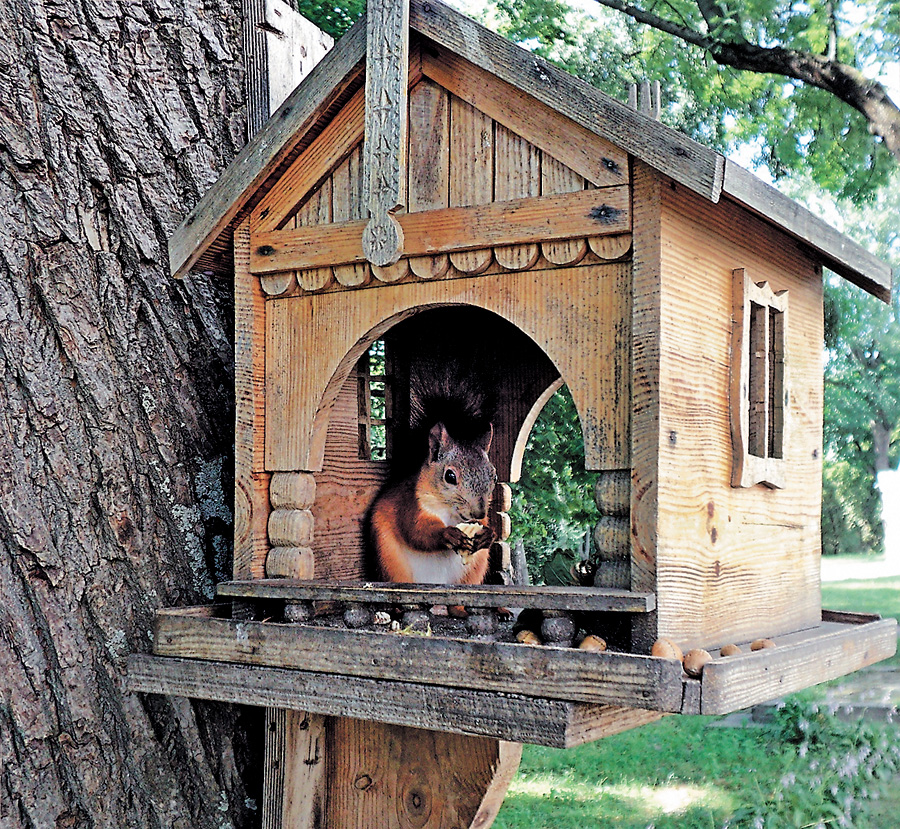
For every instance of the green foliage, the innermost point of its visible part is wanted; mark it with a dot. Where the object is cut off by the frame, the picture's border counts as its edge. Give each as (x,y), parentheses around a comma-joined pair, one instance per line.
(832,768)
(789,127)
(851,508)
(805,770)
(553,502)
(332,18)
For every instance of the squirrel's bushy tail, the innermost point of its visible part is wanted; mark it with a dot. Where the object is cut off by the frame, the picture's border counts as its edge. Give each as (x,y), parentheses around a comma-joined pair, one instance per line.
(451,389)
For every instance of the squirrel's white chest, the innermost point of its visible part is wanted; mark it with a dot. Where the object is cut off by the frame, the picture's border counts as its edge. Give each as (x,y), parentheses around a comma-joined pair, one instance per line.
(445,567)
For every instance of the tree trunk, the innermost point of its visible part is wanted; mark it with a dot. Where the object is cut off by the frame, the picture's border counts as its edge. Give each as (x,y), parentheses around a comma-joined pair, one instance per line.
(115,409)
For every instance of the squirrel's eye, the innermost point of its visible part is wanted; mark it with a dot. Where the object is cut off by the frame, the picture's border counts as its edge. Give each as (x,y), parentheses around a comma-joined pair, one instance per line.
(450,476)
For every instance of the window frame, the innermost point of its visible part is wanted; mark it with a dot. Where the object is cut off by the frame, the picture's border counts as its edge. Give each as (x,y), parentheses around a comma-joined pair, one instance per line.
(760,388)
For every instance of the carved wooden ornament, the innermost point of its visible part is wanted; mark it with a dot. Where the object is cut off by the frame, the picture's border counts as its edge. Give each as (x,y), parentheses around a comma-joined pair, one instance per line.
(387,69)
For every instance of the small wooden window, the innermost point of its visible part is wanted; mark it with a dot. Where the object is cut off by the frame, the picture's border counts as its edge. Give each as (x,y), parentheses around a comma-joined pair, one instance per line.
(759,393)
(375,406)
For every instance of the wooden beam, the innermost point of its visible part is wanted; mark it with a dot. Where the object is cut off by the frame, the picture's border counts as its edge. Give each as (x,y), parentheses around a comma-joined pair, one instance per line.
(481,595)
(337,71)
(458,710)
(531,670)
(674,154)
(840,253)
(606,211)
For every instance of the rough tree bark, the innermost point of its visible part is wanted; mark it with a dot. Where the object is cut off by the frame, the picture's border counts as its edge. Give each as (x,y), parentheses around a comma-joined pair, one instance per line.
(115,408)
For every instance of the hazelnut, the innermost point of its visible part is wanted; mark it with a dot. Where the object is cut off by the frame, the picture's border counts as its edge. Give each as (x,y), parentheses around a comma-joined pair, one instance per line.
(761,644)
(666,649)
(528,637)
(694,661)
(730,650)
(592,643)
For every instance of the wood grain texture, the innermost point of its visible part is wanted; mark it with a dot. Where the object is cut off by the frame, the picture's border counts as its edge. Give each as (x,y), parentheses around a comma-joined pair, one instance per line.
(839,253)
(557,136)
(339,139)
(294,45)
(471,173)
(347,206)
(251,500)
(556,177)
(531,670)
(316,211)
(429,147)
(591,350)
(732,564)
(645,424)
(346,486)
(296,119)
(757,454)
(679,157)
(397,777)
(290,563)
(385,149)
(294,784)
(292,490)
(585,213)
(505,716)
(517,175)
(540,597)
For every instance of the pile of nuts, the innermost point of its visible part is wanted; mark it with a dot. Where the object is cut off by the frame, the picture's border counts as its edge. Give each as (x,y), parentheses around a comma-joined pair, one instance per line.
(694,660)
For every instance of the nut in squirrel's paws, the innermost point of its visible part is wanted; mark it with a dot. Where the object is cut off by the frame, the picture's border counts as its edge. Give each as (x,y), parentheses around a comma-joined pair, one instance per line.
(469,530)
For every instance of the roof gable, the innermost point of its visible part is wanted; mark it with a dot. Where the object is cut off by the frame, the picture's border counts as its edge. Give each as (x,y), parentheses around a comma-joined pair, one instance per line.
(460,55)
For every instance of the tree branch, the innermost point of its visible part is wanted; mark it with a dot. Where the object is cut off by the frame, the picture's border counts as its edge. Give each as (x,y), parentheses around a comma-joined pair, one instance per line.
(843,81)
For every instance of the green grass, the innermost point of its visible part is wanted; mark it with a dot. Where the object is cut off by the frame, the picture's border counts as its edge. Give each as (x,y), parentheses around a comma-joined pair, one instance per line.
(676,774)
(682,773)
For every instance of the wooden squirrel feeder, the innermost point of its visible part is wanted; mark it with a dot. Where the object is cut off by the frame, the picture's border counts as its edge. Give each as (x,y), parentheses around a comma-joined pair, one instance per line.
(450,182)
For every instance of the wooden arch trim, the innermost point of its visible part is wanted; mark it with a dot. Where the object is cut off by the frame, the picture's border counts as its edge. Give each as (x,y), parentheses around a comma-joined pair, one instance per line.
(314,340)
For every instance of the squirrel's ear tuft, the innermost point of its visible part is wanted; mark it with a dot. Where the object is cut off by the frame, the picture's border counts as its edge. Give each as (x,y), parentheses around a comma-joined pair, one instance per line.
(438,440)
(484,442)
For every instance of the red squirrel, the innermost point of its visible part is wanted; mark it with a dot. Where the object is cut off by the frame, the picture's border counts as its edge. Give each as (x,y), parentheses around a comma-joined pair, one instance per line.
(450,479)
(413,521)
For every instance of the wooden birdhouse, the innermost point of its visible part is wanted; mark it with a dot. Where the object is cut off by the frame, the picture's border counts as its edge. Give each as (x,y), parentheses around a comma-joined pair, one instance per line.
(448,188)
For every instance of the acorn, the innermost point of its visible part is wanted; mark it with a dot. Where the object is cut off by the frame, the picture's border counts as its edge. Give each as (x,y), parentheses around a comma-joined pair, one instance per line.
(694,660)
(730,650)
(761,644)
(592,643)
(666,649)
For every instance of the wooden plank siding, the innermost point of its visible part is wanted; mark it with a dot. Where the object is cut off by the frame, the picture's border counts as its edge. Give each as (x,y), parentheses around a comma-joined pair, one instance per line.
(731,564)
(296,123)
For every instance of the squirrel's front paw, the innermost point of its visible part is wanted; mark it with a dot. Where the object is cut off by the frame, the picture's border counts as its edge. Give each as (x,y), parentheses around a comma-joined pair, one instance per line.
(483,538)
(454,538)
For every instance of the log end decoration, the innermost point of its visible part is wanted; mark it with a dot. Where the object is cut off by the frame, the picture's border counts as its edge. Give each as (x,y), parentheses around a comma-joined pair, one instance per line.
(383,240)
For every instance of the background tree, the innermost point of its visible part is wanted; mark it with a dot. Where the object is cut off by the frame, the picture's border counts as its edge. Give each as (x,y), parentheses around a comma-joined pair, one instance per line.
(862,386)
(115,409)
(764,74)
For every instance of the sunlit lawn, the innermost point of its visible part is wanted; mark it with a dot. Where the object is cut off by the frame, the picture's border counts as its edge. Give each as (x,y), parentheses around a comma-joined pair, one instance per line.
(675,774)
(678,773)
